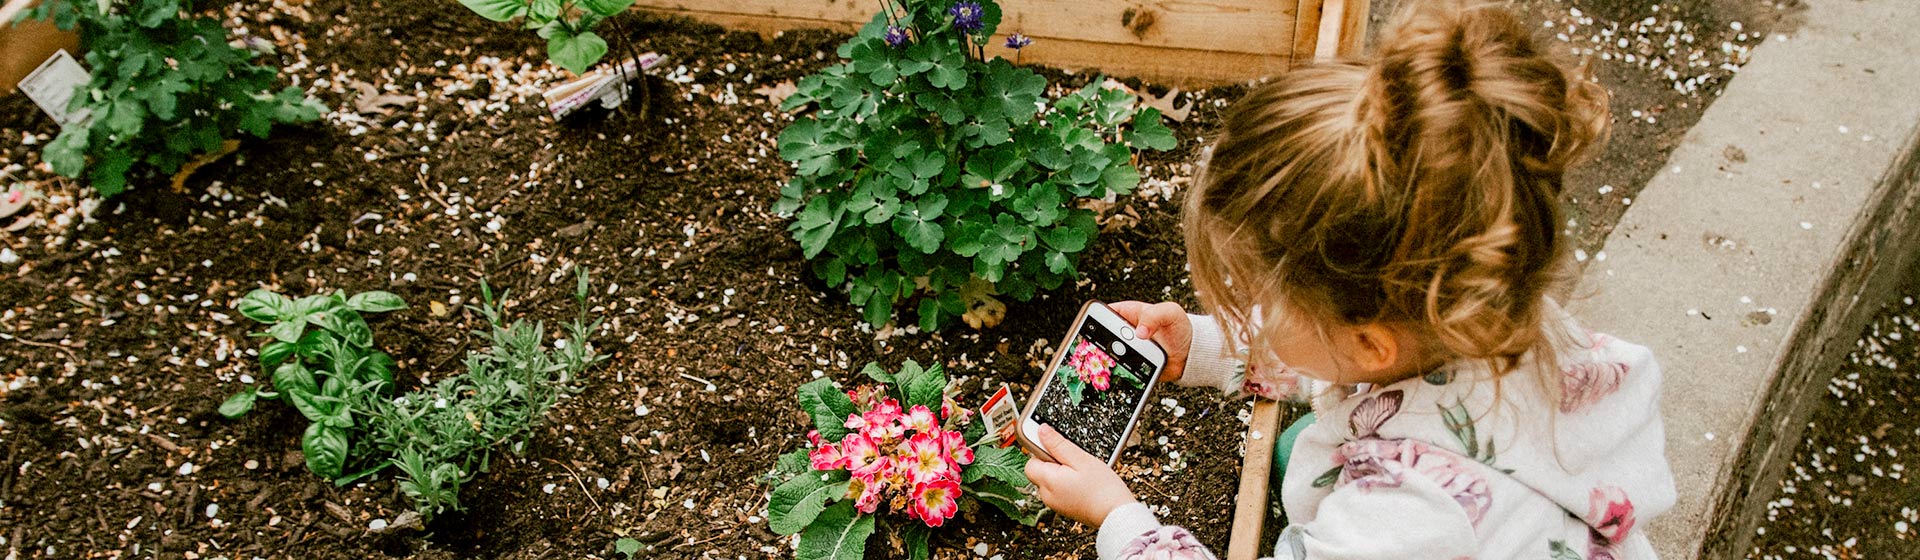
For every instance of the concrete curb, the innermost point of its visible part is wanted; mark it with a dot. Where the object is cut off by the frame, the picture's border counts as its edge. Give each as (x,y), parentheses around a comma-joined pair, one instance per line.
(1815,222)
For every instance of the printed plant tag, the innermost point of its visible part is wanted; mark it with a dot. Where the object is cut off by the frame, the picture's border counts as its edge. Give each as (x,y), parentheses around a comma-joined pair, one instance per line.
(52,85)
(1001,416)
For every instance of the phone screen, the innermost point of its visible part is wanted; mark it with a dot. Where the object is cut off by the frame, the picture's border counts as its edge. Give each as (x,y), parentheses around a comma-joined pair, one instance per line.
(1092,394)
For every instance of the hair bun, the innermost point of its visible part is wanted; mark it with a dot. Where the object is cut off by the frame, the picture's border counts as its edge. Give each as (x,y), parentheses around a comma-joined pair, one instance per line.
(1476,62)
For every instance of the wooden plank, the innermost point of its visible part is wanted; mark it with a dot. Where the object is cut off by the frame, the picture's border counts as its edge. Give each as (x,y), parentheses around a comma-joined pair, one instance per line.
(1184,68)
(1306,30)
(1250,504)
(1343,29)
(1233,26)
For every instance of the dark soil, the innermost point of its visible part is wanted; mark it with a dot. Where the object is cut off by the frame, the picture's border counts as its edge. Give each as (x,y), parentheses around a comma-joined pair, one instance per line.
(1850,493)
(120,339)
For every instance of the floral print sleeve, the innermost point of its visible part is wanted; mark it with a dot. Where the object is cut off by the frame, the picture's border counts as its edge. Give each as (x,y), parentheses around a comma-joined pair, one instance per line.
(1213,362)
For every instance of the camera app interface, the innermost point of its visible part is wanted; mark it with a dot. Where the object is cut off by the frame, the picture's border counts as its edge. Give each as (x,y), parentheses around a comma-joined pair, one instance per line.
(1093,392)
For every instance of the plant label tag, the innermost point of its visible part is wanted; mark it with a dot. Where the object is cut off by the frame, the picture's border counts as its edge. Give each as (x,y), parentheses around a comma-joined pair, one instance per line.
(1001,417)
(52,85)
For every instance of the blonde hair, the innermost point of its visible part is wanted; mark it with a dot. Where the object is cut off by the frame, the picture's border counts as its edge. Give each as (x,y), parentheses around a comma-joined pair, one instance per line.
(1419,188)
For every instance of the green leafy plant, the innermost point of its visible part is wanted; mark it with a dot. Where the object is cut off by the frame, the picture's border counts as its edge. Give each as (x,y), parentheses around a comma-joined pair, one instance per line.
(926,172)
(567,25)
(167,86)
(442,435)
(439,436)
(319,355)
(897,456)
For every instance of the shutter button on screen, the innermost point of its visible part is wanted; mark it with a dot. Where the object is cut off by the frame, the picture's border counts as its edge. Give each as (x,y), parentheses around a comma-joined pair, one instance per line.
(1119,348)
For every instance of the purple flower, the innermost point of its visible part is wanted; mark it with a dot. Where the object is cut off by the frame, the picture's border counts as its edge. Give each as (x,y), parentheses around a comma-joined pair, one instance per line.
(1018,41)
(896,35)
(966,16)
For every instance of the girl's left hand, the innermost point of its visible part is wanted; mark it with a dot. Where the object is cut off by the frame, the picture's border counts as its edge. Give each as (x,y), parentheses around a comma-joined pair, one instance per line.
(1081,487)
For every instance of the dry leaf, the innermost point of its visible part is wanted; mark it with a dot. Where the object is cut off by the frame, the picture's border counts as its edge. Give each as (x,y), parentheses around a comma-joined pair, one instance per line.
(369,99)
(777,93)
(12,202)
(1167,106)
(983,310)
(438,309)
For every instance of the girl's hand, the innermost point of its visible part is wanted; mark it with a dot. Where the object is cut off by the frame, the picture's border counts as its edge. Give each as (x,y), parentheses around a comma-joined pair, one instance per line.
(1081,487)
(1164,323)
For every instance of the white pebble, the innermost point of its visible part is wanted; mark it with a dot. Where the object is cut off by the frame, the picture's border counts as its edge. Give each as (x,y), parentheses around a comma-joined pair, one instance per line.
(376,525)
(186,469)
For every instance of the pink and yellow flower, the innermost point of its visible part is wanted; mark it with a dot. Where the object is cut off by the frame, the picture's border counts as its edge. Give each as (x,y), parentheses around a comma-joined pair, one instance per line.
(921,420)
(827,457)
(1092,364)
(936,501)
(958,453)
(865,491)
(862,454)
(925,458)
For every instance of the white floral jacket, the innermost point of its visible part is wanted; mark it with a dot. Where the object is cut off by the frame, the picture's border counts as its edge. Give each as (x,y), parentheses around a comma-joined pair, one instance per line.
(1434,467)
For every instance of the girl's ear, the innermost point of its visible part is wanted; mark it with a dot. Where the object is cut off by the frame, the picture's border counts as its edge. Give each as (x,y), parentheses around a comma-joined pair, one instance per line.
(1376,347)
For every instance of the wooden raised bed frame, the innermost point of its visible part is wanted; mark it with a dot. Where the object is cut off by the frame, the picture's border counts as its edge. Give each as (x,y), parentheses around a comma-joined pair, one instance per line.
(1184,43)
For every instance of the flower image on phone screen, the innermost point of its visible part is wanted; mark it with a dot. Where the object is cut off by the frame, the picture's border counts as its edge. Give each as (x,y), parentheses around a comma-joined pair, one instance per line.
(1093,393)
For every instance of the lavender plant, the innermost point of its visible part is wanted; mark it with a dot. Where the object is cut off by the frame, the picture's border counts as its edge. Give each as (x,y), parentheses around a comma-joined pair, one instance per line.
(926,169)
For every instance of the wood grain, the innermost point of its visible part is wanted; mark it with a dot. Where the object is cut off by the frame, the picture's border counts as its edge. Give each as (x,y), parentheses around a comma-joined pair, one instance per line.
(1182,43)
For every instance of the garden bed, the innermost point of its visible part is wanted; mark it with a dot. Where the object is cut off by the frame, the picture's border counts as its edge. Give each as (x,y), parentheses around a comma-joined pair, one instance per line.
(122,341)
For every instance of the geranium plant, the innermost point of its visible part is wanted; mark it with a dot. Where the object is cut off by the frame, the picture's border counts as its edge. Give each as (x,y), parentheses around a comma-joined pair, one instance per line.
(925,170)
(897,457)
(567,25)
(167,86)
(1089,366)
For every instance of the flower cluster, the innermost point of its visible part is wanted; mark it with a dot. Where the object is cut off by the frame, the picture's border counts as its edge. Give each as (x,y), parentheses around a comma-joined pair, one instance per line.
(966,16)
(908,459)
(1092,365)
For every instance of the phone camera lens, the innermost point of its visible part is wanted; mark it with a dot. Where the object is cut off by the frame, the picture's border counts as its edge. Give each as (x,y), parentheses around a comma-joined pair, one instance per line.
(1126,333)
(1119,348)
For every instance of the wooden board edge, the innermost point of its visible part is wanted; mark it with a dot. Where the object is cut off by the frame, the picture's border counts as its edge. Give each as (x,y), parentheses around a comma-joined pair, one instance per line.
(1250,503)
(1182,68)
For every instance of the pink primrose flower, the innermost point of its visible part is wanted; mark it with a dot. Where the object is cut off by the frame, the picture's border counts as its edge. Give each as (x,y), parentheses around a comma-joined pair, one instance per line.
(865,491)
(862,454)
(921,420)
(936,501)
(924,459)
(828,457)
(957,451)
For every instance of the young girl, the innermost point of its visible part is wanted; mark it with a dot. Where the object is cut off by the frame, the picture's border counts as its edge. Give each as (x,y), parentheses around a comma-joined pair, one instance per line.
(1381,239)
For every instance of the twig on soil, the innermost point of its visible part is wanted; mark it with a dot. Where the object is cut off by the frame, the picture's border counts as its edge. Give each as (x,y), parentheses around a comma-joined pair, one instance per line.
(697,380)
(576,480)
(6,485)
(168,445)
(63,349)
(691,543)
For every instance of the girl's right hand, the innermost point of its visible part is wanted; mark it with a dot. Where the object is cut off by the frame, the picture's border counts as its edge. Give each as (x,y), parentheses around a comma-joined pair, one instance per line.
(1166,324)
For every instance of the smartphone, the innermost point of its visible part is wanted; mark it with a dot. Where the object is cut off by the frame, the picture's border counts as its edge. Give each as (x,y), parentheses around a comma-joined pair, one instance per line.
(1096,386)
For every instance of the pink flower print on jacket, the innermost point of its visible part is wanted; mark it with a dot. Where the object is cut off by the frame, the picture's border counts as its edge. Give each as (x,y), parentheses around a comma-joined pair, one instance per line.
(1586,383)
(1371,464)
(1610,513)
(1366,419)
(1165,543)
